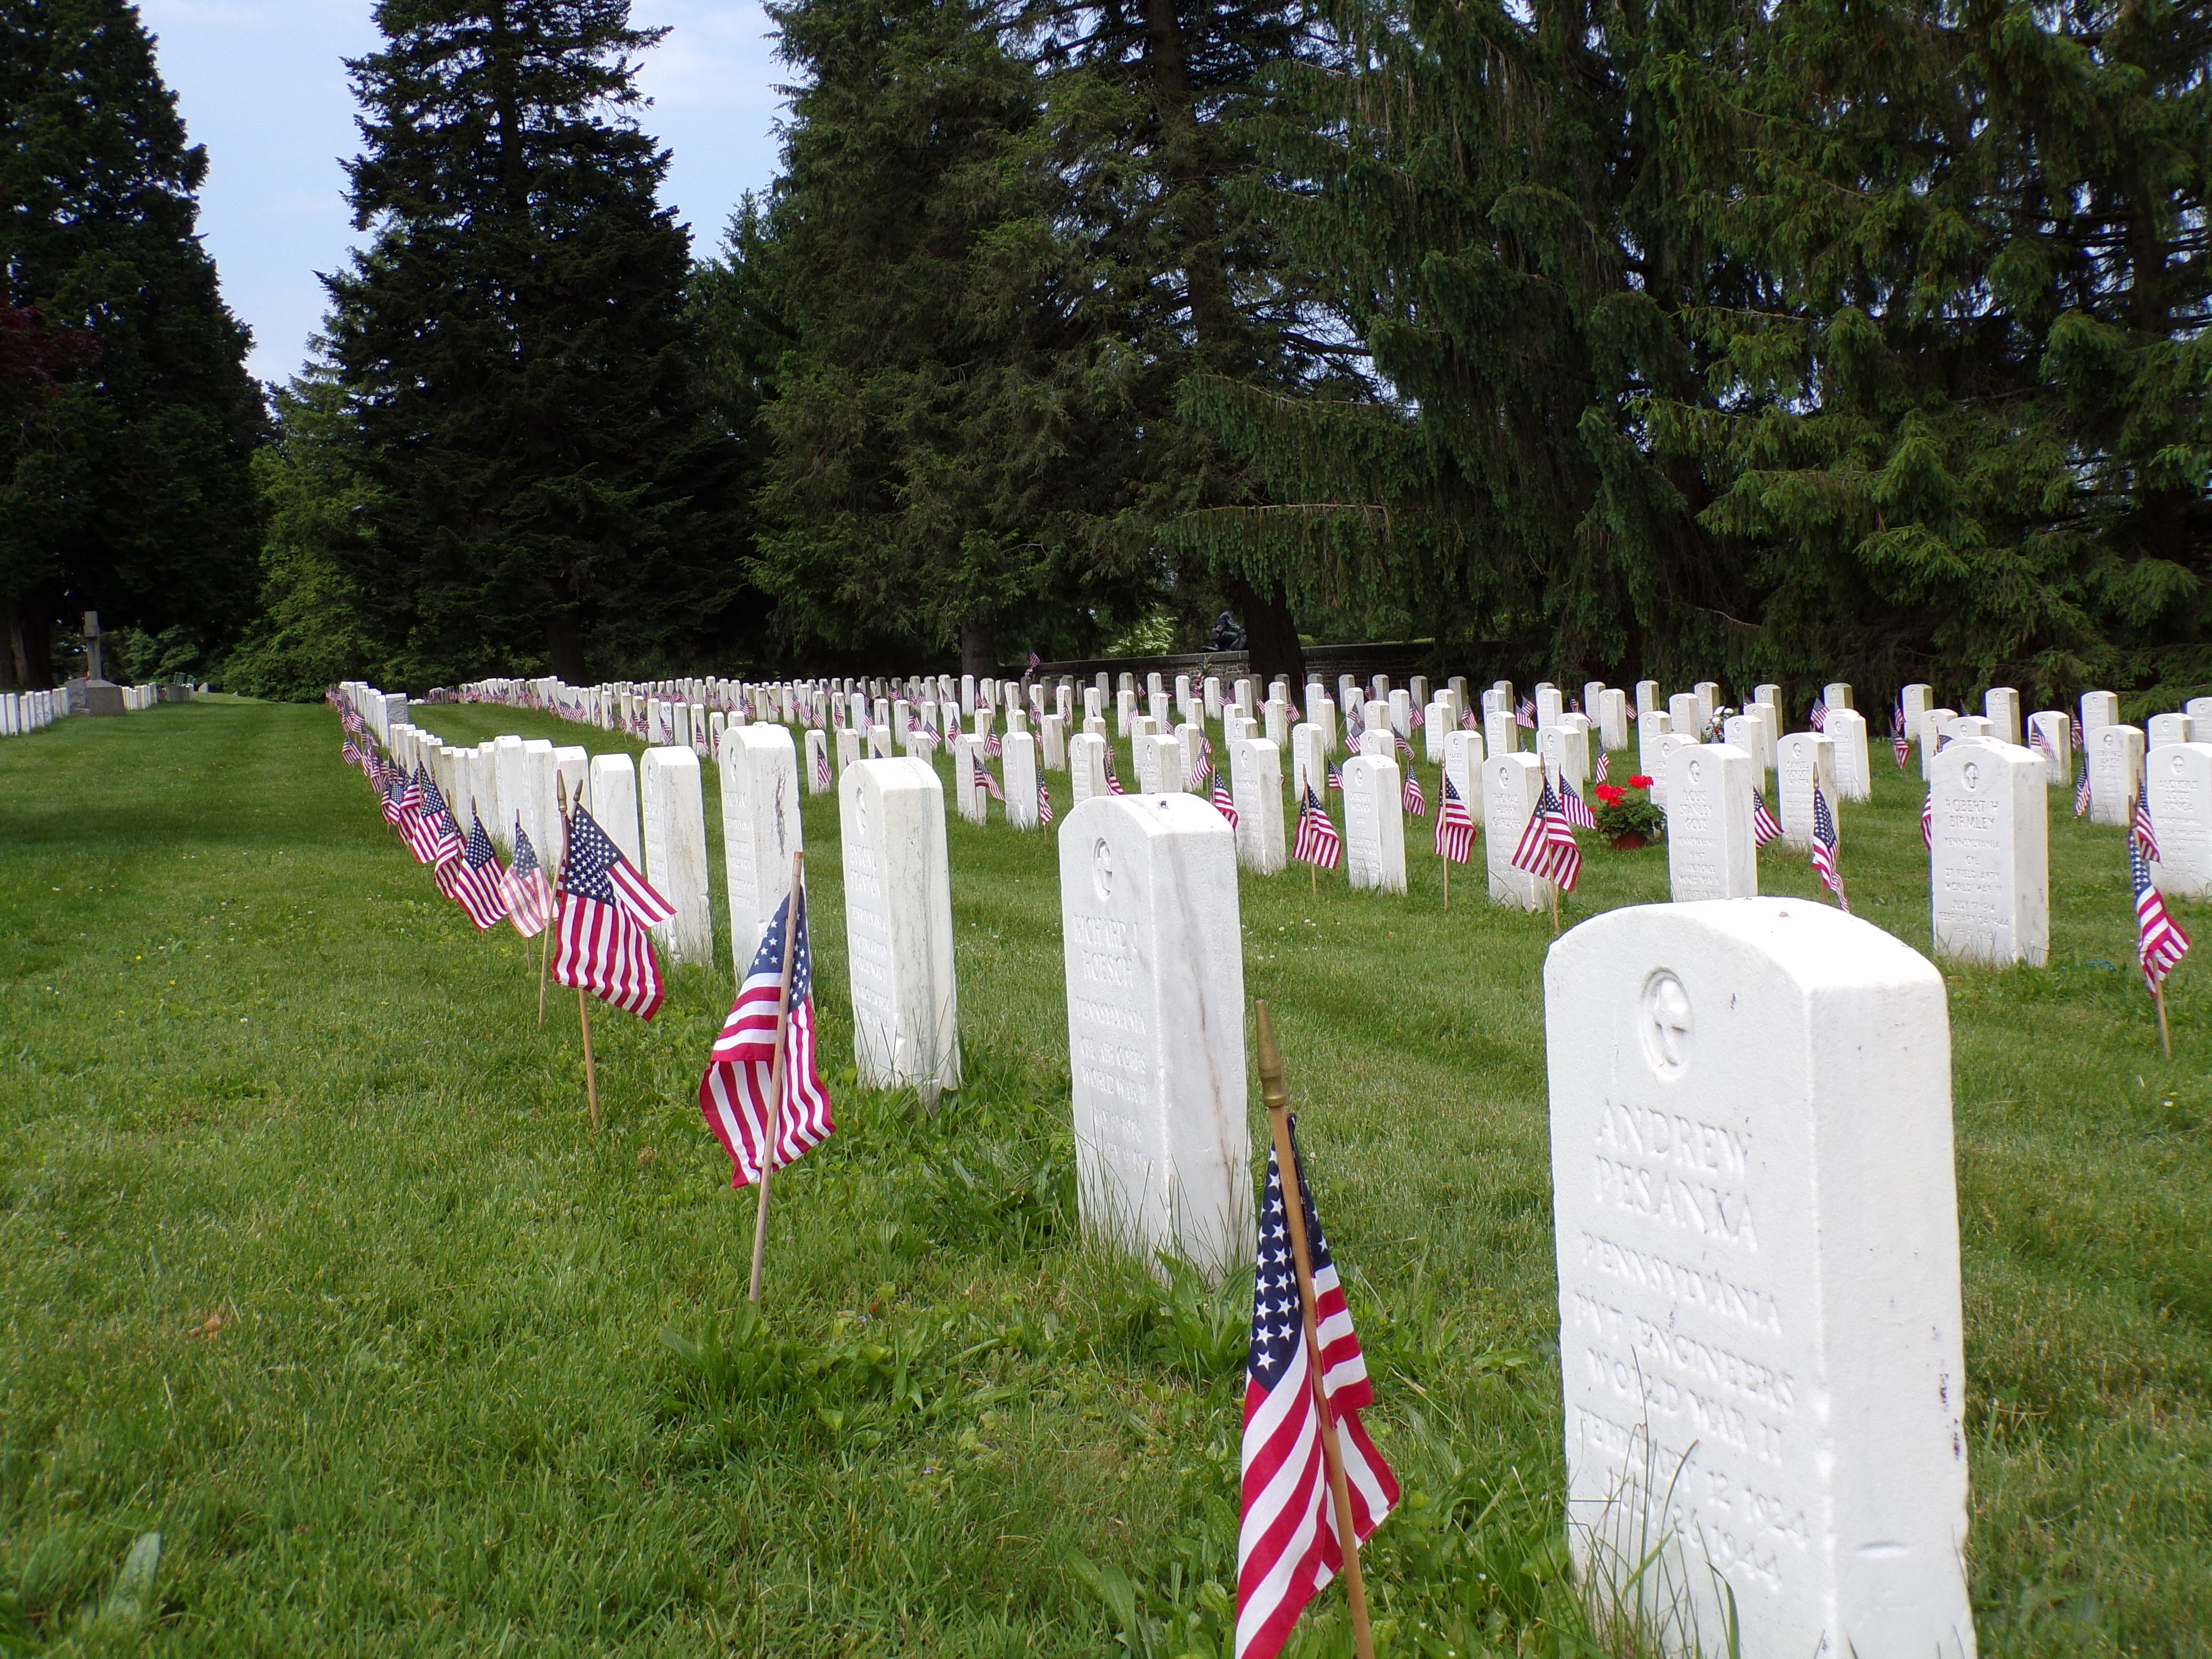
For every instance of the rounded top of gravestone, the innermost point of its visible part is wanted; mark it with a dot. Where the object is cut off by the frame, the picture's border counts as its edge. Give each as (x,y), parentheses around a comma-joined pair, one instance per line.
(1813,944)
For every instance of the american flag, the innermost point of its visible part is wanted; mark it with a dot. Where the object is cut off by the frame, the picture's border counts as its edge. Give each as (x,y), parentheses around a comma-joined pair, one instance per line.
(1287,1546)
(1817,716)
(1524,713)
(1317,841)
(415,828)
(1113,783)
(1223,803)
(737,1095)
(1405,750)
(985,782)
(1604,766)
(1410,796)
(1415,720)
(1546,848)
(445,833)
(1764,827)
(1898,744)
(606,906)
(1824,848)
(1928,821)
(992,744)
(2082,794)
(1455,826)
(1200,772)
(822,766)
(350,753)
(2076,722)
(2158,943)
(529,895)
(1467,720)
(1044,804)
(1574,808)
(479,886)
(1335,779)
(2039,740)
(2144,835)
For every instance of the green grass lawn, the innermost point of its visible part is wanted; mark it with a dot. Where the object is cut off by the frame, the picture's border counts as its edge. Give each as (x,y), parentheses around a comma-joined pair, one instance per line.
(308,1261)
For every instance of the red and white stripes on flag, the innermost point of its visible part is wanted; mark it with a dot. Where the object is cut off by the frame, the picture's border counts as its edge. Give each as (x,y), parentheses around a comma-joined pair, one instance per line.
(1044,804)
(1287,1546)
(1547,849)
(1928,821)
(606,906)
(2159,944)
(479,882)
(1825,843)
(528,894)
(2140,829)
(1574,808)
(1455,826)
(737,1096)
(1410,797)
(1317,841)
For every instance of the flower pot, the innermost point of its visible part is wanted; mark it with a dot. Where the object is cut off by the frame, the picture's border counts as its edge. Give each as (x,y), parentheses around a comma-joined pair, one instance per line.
(1628,843)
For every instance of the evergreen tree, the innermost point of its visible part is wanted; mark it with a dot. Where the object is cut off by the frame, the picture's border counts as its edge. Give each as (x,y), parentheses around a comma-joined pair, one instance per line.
(547,487)
(941,422)
(124,459)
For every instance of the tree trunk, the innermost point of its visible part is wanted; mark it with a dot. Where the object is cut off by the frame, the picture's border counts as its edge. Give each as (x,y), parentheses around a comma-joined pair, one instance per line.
(29,663)
(564,649)
(1270,633)
(978,655)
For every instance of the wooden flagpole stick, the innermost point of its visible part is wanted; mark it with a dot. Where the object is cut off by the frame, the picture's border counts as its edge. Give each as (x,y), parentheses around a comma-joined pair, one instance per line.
(1278,1101)
(774,1129)
(1555,909)
(590,1076)
(2165,1037)
(1447,883)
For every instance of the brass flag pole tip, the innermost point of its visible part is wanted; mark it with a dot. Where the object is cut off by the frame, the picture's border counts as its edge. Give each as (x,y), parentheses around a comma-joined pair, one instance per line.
(1272,1095)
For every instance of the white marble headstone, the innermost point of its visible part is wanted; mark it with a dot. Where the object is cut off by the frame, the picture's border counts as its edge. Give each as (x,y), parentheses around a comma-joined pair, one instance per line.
(1989,881)
(761,830)
(1802,760)
(1374,824)
(1511,786)
(675,825)
(1711,853)
(899,927)
(2180,780)
(1760,1331)
(1155,971)
(1255,788)
(2116,763)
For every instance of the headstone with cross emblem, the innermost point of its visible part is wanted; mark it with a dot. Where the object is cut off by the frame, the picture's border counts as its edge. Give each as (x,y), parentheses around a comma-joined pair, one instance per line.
(899,927)
(1150,925)
(759,766)
(1760,1335)
(1989,883)
(1713,852)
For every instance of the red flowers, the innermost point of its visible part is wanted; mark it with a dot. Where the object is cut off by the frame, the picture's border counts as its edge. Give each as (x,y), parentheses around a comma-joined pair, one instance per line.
(1610,795)
(1639,781)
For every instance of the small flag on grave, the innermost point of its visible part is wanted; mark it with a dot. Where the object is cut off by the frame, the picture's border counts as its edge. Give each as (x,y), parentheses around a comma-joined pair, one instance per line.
(529,895)
(2158,943)
(606,906)
(1335,779)
(1604,766)
(1928,821)
(738,1094)
(1288,1546)
(2082,794)
(1044,804)
(822,767)
(1113,783)
(1825,847)
(1817,716)
(1898,744)
(986,782)
(479,889)
(1317,841)
(1548,848)
(1411,800)
(1223,802)
(1764,829)
(1574,808)
(1455,826)
(2140,829)
(1524,713)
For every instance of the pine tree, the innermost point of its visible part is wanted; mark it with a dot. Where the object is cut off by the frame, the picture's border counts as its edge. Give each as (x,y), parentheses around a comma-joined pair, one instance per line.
(548,488)
(125,484)
(940,423)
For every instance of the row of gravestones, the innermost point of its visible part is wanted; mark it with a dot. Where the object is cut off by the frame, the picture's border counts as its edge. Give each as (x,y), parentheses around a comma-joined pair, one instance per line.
(1757,1248)
(23,712)
(1989,883)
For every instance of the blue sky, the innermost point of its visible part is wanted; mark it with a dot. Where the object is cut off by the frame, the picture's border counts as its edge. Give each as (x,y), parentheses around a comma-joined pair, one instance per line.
(261,84)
